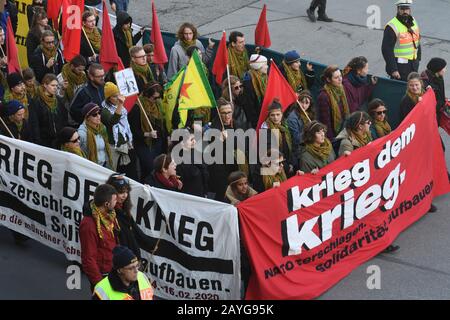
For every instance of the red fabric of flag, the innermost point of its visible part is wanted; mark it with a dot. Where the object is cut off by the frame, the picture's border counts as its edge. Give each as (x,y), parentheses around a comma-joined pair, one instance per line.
(160,56)
(53,8)
(262,36)
(11,49)
(72,11)
(221,61)
(277,87)
(108,51)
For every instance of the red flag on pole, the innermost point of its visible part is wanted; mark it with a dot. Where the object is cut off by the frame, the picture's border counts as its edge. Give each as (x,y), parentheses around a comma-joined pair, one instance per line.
(160,56)
(277,87)
(71,38)
(221,61)
(262,36)
(11,49)
(53,8)
(108,51)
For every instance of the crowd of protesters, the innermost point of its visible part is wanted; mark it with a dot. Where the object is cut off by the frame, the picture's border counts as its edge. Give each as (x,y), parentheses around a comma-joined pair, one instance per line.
(76,107)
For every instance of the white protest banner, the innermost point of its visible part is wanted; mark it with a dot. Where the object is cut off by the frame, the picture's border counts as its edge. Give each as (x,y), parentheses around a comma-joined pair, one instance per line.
(196,256)
(42,192)
(126,82)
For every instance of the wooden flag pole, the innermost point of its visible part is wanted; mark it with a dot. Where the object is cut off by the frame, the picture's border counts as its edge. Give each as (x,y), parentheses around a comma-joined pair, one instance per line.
(143,111)
(229,84)
(90,45)
(7,129)
(307,117)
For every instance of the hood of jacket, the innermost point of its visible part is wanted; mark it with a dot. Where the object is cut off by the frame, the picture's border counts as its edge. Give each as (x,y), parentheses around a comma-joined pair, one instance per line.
(122,18)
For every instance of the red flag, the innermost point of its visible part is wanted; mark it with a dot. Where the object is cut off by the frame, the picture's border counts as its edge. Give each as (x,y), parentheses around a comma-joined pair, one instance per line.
(221,61)
(72,27)
(11,49)
(160,56)
(262,36)
(130,102)
(277,87)
(53,8)
(108,51)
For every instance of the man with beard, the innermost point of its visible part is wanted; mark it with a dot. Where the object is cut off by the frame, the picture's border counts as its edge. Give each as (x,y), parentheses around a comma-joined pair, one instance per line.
(401,43)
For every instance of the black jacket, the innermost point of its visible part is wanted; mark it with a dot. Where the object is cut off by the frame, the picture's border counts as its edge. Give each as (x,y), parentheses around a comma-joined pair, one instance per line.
(32,43)
(84,95)
(39,61)
(240,119)
(31,9)
(131,235)
(194,176)
(252,106)
(25,135)
(438,86)
(49,123)
(119,37)
(406,105)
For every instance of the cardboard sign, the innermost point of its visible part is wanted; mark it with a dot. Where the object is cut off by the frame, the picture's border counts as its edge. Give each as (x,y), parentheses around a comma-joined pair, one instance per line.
(126,82)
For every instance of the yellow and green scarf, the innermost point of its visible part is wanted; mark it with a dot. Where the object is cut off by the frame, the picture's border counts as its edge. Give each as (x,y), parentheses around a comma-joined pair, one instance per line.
(50,101)
(143,72)
(94,37)
(92,145)
(337,95)
(108,220)
(362,139)
(48,53)
(23,99)
(186,44)
(284,130)
(259,81)
(73,79)
(239,63)
(295,78)
(153,110)
(382,128)
(76,151)
(268,180)
(128,38)
(321,152)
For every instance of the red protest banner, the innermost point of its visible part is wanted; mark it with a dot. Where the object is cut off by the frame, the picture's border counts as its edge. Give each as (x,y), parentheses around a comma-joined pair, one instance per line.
(312,231)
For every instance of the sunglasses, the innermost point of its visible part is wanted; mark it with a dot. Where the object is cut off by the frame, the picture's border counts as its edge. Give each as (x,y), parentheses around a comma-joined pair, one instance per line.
(238,87)
(75,140)
(95,114)
(379,113)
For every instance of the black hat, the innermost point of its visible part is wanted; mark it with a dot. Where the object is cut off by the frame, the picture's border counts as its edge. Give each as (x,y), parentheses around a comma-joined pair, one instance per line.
(65,135)
(275,105)
(14,79)
(436,64)
(122,256)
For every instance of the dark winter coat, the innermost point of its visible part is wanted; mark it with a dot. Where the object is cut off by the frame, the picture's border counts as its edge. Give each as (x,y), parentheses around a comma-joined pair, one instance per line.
(88,93)
(39,61)
(119,37)
(357,95)
(194,176)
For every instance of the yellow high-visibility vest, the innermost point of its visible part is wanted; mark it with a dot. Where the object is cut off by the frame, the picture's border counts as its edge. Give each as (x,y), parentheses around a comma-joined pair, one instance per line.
(104,291)
(404,47)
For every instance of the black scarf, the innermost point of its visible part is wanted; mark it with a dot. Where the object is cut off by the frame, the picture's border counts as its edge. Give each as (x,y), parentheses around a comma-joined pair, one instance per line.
(407,21)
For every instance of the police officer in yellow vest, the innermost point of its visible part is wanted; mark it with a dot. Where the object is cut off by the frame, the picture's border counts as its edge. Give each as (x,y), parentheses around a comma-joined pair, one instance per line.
(125,281)
(401,43)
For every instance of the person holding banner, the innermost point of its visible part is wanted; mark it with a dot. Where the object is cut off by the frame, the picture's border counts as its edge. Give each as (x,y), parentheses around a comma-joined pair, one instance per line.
(47,58)
(356,133)
(414,92)
(332,104)
(130,234)
(98,233)
(90,37)
(380,125)
(69,141)
(94,137)
(272,172)
(125,281)
(50,111)
(149,131)
(115,117)
(164,175)
(318,150)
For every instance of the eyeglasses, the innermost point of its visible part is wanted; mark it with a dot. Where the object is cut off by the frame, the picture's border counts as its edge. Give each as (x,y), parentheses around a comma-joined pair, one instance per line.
(75,140)
(238,87)
(379,113)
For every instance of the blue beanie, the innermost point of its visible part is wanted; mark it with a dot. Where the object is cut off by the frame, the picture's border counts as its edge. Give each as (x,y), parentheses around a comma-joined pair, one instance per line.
(291,56)
(13,106)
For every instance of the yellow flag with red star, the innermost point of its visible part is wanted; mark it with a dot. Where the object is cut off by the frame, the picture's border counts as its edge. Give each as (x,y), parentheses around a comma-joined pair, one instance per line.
(195,92)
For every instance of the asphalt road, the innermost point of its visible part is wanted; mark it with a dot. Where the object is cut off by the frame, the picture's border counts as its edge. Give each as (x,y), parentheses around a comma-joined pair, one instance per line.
(420,270)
